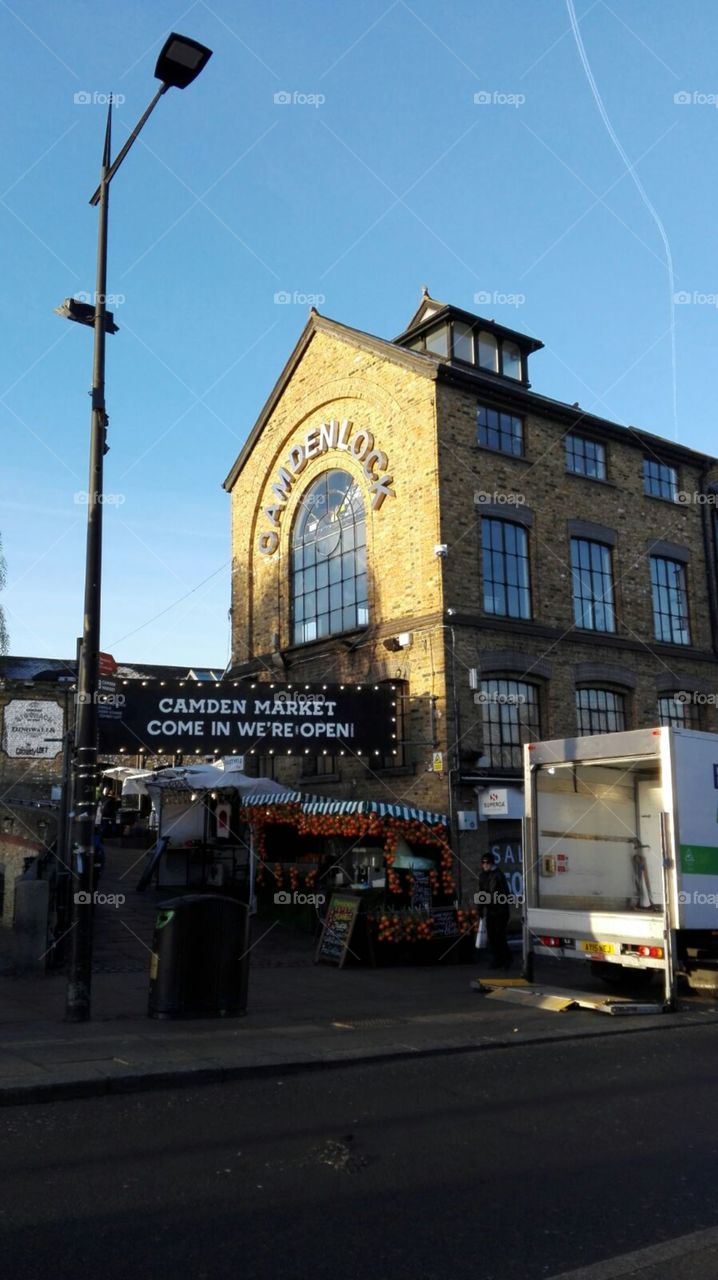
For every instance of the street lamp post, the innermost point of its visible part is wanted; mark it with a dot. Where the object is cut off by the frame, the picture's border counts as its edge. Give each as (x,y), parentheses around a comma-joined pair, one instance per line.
(179,63)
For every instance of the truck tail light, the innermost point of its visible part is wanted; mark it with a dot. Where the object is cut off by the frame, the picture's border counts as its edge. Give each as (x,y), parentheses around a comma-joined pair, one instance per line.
(548,940)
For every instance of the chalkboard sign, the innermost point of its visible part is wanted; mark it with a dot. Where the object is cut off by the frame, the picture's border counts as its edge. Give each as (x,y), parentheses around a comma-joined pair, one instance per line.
(338,926)
(421,893)
(443,923)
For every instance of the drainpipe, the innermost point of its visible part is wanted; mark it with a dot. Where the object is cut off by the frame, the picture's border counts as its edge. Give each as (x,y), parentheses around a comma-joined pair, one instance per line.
(710,516)
(455,761)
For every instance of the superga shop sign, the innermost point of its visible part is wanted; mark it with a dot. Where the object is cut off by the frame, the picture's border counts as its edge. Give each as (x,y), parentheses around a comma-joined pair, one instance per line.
(329,437)
(226,717)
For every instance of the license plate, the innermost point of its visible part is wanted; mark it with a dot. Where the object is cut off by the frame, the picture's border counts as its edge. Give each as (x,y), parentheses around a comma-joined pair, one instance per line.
(598,948)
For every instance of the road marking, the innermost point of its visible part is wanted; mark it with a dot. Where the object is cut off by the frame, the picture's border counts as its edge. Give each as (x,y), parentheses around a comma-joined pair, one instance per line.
(631,1263)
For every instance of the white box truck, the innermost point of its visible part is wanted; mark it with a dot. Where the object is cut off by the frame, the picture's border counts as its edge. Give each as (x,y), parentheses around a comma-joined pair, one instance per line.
(620,854)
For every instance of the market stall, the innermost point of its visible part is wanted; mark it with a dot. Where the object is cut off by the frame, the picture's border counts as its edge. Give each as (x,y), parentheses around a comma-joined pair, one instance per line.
(203,839)
(392,860)
(125,806)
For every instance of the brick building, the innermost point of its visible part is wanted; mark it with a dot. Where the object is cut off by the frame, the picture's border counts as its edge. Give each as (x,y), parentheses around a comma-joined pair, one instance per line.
(411,510)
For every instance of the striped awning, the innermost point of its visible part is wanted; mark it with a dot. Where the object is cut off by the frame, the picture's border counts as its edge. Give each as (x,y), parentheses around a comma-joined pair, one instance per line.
(323,805)
(406,813)
(320,804)
(261,799)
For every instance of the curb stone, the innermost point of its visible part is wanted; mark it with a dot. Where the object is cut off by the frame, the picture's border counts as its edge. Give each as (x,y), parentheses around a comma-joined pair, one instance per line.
(61,1088)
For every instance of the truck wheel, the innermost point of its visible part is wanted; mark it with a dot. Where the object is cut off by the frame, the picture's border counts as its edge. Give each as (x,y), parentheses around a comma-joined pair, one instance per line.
(617,975)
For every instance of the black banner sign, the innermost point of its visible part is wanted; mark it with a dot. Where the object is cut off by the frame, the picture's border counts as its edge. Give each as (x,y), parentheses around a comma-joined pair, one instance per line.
(222,718)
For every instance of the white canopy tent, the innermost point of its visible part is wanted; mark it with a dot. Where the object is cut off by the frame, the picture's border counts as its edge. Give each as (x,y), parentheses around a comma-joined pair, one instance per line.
(178,795)
(194,777)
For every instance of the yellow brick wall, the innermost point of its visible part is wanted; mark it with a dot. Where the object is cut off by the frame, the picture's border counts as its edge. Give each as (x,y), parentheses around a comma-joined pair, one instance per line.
(335,380)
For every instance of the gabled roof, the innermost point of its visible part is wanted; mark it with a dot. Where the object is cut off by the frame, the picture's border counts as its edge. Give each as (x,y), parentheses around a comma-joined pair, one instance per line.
(435,367)
(424,364)
(427,308)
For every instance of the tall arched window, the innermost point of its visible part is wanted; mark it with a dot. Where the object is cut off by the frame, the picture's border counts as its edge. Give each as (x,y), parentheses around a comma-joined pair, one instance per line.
(329,579)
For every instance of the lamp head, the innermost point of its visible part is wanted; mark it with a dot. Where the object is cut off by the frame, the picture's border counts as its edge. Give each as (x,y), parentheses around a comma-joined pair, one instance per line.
(180,61)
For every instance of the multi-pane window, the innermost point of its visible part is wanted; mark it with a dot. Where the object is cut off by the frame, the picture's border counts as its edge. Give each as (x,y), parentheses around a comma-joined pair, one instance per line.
(511,717)
(591,571)
(585,457)
(497,430)
(659,480)
(330,591)
(505,564)
(679,710)
(600,711)
(670,601)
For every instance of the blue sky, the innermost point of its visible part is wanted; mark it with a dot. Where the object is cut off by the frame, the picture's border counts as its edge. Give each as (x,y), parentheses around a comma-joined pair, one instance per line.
(581,221)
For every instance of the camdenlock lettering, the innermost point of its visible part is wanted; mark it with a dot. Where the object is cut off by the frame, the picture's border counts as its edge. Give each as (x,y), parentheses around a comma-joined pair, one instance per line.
(359,718)
(330,435)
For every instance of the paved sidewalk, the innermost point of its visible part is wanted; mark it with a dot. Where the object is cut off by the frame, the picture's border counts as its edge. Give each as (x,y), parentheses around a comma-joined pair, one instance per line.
(300,1015)
(298,1018)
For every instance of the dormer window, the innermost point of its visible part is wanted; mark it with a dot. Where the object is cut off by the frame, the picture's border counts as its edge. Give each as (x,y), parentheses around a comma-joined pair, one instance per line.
(467,340)
(488,351)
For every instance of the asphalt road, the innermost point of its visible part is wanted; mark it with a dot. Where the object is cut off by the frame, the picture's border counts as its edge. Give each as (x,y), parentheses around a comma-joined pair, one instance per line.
(523,1163)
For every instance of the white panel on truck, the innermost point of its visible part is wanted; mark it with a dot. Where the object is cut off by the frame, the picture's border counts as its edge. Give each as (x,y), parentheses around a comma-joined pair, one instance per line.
(696,778)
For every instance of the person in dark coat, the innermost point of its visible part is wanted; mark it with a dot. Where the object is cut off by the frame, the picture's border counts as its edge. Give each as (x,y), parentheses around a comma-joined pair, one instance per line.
(493,904)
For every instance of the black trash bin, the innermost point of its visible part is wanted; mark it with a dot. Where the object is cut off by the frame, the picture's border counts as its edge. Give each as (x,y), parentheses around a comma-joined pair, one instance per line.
(200,958)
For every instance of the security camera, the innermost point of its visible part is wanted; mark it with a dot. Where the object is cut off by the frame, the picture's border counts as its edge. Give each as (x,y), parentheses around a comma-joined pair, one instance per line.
(441,549)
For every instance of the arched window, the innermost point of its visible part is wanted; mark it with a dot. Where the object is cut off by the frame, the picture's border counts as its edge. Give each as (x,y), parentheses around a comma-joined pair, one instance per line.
(329,578)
